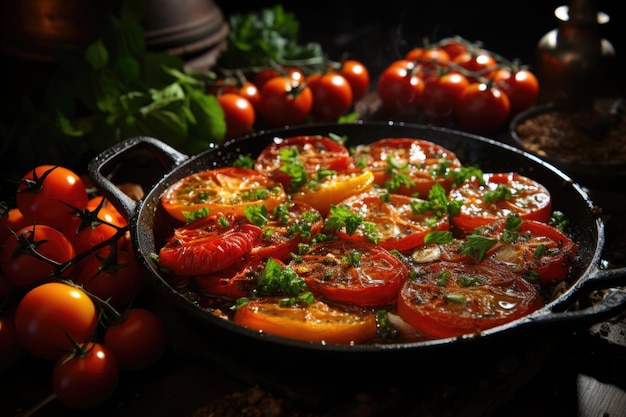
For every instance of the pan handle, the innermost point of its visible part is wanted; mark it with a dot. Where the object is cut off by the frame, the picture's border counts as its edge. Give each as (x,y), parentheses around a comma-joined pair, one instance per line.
(167,155)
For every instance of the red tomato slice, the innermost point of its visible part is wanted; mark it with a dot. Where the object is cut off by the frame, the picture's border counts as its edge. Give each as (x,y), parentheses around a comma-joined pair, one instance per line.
(234,281)
(317,322)
(423,162)
(360,273)
(226,190)
(290,224)
(398,226)
(501,195)
(206,246)
(451,299)
(313,152)
(539,248)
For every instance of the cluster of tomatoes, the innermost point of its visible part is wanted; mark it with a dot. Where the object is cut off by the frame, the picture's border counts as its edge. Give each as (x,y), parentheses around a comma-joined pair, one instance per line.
(457,82)
(290,95)
(313,242)
(67,282)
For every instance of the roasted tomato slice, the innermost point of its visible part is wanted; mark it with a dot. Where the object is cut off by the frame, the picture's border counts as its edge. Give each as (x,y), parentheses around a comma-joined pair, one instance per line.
(450,299)
(227,190)
(531,248)
(288,225)
(311,153)
(316,322)
(498,196)
(208,245)
(360,273)
(400,223)
(408,166)
(234,281)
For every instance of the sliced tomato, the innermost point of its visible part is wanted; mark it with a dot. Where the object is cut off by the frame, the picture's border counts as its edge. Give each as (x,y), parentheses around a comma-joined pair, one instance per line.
(422,162)
(359,273)
(452,299)
(317,322)
(226,190)
(234,281)
(334,189)
(208,245)
(399,227)
(311,152)
(535,248)
(499,196)
(288,225)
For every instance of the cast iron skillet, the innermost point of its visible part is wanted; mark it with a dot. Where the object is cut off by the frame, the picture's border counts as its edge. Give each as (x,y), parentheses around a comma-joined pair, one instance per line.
(149,227)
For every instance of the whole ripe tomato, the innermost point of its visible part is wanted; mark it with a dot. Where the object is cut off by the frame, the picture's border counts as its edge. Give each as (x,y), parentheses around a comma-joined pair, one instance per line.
(18,255)
(285,101)
(482,108)
(238,113)
(332,96)
(49,314)
(266,74)
(49,194)
(10,346)
(138,340)
(358,77)
(90,228)
(453,46)
(86,378)
(430,60)
(400,88)
(479,62)
(441,95)
(12,220)
(520,85)
(110,275)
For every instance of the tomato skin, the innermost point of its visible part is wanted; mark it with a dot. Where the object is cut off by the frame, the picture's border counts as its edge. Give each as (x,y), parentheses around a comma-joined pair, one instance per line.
(477,61)
(453,46)
(521,87)
(24,269)
(226,190)
(400,89)
(441,95)
(138,341)
(285,101)
(86,380)
(10,346)
(54,199)
(357,76)
(13,220)
(239,114)
(317,322)
(448,308)
(332,96)
(373,280)
(205,246)
(483,108)
(47,312)
(530,200)
(85,237)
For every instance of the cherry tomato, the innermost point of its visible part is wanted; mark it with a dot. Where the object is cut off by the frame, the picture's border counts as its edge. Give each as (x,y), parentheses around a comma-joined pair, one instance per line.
(441,95)
(480,64)
(537,248)
(317,322)
(49,194)
(313,153)
(483,108)
(398,226)
(226,190)
(332,96)
(400,89)
(138,340)
(452,299)
(207,245)
(266,74)
(245,89)
(20,263)
(52,313)
(521,87)
(88,228)
(12,220)
(453,46)
(358,77)
(238,113)
(423,162)
(10,347)
(360,273)
(430,59)
(285,101)
(114,276)
(87,378)
(498,196)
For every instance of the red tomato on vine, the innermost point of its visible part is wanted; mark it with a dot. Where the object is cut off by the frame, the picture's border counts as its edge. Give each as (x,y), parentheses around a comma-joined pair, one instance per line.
(483,108)
(285,101)
(332,96)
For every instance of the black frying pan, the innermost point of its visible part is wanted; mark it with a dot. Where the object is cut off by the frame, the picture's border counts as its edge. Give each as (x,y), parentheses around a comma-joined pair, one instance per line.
(149,227)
